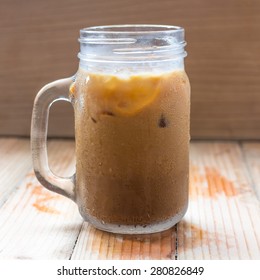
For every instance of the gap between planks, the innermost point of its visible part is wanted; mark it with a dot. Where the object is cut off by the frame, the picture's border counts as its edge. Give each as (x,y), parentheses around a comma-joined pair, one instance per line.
(223,218)
(251,152)
(36,223)
(218,225)
(15,163)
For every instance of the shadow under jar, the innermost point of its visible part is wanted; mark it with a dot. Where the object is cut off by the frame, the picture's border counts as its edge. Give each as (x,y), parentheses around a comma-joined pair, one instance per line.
(131,98)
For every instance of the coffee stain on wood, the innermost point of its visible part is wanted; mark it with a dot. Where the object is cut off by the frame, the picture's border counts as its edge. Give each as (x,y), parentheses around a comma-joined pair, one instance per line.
(148,246)
(132,247)
(42,198)
(190,235)
(44,208)
(210,183)
(30,175)
(219,184)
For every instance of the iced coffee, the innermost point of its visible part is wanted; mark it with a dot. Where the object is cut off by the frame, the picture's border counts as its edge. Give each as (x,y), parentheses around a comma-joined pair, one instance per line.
(132,146)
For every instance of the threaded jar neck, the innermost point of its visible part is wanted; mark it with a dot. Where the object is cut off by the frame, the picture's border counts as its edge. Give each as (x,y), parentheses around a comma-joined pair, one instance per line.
(130,44)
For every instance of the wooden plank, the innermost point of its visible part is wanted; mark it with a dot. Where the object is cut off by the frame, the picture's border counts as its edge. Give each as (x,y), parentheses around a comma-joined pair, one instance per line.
(95,244)
(251,152)
(223,219)
(36,223)
(15,162)
(223,67)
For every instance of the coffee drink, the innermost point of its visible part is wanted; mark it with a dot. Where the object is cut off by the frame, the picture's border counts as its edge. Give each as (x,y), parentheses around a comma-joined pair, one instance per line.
(131,100)
(132,146)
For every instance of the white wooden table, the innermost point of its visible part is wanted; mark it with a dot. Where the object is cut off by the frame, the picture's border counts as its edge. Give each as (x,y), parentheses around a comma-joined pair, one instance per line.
(222,222)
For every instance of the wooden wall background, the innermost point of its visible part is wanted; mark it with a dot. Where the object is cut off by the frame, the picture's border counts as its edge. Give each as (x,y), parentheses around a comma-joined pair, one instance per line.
(38,44)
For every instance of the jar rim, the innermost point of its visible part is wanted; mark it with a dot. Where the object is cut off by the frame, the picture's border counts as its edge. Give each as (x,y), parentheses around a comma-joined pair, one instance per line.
(132,29)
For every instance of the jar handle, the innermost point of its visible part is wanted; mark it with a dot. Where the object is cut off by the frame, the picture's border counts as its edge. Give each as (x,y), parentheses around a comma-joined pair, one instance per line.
(52,92)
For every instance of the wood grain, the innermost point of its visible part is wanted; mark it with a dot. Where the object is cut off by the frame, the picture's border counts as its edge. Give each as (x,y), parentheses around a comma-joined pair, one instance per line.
(39,44)
(95,244)
(15,162)
(36,223)
(252,157)
(222,222)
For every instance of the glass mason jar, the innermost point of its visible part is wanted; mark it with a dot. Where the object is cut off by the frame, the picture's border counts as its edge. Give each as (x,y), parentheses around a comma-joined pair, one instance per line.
(131,98)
